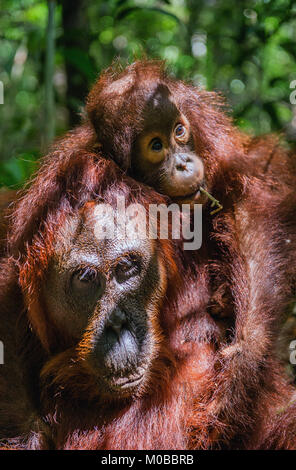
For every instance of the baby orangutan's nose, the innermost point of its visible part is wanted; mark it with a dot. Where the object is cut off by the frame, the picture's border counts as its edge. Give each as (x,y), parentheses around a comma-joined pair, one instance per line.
(187,174)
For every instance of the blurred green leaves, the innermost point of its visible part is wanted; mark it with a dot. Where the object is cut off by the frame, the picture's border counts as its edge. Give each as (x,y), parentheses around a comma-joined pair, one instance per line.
(244,49)
(15,171)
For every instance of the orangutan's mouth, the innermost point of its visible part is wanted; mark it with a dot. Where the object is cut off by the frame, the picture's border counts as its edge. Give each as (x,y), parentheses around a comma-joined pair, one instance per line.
(191,197)
(128,382)
(124,383)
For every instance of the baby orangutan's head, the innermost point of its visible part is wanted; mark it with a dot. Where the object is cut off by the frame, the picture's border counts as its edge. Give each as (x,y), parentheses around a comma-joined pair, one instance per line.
(167,134)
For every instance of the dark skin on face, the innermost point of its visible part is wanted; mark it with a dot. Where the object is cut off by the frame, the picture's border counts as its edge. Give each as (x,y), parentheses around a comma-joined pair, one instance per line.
(104,295)
(164,155)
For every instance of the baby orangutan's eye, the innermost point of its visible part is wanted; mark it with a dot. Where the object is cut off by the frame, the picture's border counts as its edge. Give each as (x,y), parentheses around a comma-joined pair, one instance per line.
(156,144)
(180,131)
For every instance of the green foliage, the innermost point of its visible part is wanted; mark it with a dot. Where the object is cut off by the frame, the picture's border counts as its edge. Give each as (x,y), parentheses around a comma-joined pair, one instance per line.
(244,49)
(15,171)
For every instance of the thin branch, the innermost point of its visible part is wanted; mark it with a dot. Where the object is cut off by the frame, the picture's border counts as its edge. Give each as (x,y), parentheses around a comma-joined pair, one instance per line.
(49,106)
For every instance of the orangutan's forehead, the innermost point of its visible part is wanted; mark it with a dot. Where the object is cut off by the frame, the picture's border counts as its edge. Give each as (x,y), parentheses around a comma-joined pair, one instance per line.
(160,109)
(100,233)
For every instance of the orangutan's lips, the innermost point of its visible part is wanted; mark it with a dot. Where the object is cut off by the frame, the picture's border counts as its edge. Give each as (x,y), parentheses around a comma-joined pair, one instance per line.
(131,382)
(125,383)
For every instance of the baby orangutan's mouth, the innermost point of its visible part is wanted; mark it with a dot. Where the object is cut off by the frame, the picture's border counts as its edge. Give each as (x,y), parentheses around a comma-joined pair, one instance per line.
(188,198)
(200,196)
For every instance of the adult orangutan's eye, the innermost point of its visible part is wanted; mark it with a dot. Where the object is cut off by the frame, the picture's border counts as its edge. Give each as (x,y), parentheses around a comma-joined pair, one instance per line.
(85,279)
(127,268)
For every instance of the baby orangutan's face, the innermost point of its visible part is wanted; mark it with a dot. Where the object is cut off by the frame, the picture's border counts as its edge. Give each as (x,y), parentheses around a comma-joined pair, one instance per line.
(164,155)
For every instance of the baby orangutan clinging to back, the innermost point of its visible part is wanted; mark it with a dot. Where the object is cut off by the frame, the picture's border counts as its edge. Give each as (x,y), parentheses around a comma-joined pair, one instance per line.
(178,140)
(155,134)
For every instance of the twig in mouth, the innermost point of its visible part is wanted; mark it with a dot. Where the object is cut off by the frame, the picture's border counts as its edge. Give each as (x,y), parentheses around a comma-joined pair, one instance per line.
(215,202)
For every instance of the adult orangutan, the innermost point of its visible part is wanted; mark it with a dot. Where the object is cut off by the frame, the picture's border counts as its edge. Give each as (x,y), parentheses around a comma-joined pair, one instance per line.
(178,140)
(96,356)
(108,344)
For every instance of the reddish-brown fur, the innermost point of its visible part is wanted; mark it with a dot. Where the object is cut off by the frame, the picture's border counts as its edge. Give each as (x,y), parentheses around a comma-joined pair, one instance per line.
(228,309)
(29,414)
